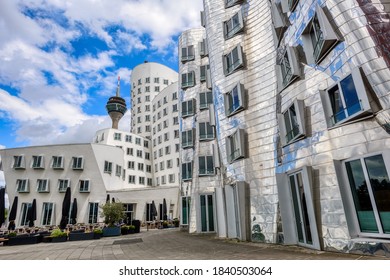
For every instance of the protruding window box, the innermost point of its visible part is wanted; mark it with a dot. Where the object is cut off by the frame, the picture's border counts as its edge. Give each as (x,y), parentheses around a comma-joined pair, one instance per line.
(292,122)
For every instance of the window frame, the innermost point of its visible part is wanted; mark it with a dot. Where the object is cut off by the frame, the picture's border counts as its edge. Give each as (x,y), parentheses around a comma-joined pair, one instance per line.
(185,135)
(189,53)
(81,186)
(107,167)
(22,183)
(187,166)
(229,100)
(187,110)
(230,68)
(231,3)
(209,171)
(299,108)
(38,162)
(325,35)
(288,55)
(363,95)
(206,96)
(203,72)
(54,163)
(63,188)
(76,165)
(19,162)
(233,26)
(187,79)
(207,127)
(203,49)
(43,185)
(236,141)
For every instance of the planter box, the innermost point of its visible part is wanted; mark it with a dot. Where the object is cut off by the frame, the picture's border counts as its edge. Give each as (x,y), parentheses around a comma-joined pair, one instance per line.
(111,231)
(76,236)
(22,240)
(97,235)
(59,239)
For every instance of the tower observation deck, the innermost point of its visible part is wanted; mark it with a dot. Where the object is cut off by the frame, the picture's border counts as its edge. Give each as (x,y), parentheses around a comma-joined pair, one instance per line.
(116,107)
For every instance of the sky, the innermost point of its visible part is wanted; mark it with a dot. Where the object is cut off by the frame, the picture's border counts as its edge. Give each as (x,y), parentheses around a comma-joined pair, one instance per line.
(59,62)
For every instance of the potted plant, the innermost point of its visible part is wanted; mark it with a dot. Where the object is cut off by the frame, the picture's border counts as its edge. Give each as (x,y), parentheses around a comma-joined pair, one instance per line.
(112,214)
(80,235)
(124,229)
(57,235)
(131,229)
(97,233)
(176,222)
(165,224)
(21,239)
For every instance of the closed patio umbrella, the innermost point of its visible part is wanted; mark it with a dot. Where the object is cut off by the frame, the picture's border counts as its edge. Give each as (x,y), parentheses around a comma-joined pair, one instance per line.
(32,213)
(108,198)
(12,214)
(2,206)
(164,209)
(65,209)
(154,210)
(73,213)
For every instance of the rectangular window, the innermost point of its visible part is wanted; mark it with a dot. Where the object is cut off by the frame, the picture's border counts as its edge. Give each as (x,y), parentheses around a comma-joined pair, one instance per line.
(187,53)
(157,80)
(84,186)
(186,171)
(233,60)
(147,155)
(205,99)
(138,141)
(187,80)
(174,108)
(130,151)
(63,184)
(346,100)
(230,3)
(147,89)
(188,108)
(131,179)
(206,131)
(174,96)
(77,163)
(57,162)
(235,100)
(118,170)
(107,167)
(203,51)
(171,178)
(139,153)
(369,184)
(42,185)
(142,180)
(187,138)
(147,80)
(37,162)
(165,82)
(162,167)
(206,165)
(163,180)
(176,132)
(167,150)
(47,213)
(149,181)
(93,212)
(235,146)
(175,120)
(289,67)
(169,163)
(185,210)
(128,138)
(146,143)
(130,164)
(24,218)
(233,26)
(19,162)
(117,136)
(292,122)
(203,71)
(140,166)
(22,186)
(148,168)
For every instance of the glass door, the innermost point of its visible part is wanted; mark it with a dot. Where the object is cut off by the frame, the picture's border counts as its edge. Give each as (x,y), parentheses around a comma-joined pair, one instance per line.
(207,212)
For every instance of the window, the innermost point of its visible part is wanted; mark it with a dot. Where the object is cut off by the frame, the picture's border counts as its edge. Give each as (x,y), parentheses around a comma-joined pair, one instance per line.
(131,179)
(147,80)
(187,80)
(165,82)
(107,167)
(165,112)
(186,171)
(206,165)
(235,146)
(175,120)
(187,53)
(118,170)
(177,147)
(146,143)
(162,165)
(346,100)
(174,108)
(22,186)
(166,135)
(147,108)
(117,136)
(147,118)
(205,98)
(233,60)
(130,151)
(19,162)
(147,89)
(63,184)
(174,96)
(171,178)
(279,19)
(185,210)
(233,26)
(230,3)
(319,37)
(47,213)
(156,80)
(167,150)
(188,108)
(288,67)
(142,180)
(149,181)
(37,162)
(148,168)
(292,122)
(169,163)
(130,164)
(93,212)
(203,72)
(139,82)
(77,163)
(235,100)
(160,152)
(163,180)
(206,131)
(84,185)
(138,141)
(57,162)
(147,155)
(369,192)
(176,132)
(203,50)
(187,138)
(141,166)
(42,185)
(139,153)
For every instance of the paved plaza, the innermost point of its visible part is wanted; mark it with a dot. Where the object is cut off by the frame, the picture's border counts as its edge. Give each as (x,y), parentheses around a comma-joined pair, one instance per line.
(166,244)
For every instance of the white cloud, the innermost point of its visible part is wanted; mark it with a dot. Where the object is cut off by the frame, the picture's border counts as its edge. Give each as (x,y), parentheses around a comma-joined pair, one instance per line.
(50,85)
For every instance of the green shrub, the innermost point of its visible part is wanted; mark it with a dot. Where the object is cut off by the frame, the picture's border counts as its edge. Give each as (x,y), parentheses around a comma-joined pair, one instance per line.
(58,233)
(112,213)
(98,231)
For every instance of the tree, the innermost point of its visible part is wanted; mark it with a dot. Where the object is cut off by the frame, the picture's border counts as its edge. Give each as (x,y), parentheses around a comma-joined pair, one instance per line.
(112,213)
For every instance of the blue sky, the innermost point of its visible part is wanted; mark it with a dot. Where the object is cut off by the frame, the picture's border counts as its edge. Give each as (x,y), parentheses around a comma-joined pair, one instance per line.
(59,61)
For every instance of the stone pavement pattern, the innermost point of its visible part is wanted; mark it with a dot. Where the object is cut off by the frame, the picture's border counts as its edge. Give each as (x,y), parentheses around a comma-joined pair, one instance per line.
(167,244)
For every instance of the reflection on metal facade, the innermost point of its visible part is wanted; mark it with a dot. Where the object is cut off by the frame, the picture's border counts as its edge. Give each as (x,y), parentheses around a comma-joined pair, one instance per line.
(301,104)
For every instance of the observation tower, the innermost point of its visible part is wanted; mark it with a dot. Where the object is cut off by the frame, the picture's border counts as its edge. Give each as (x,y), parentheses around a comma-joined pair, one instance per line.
(116,107)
